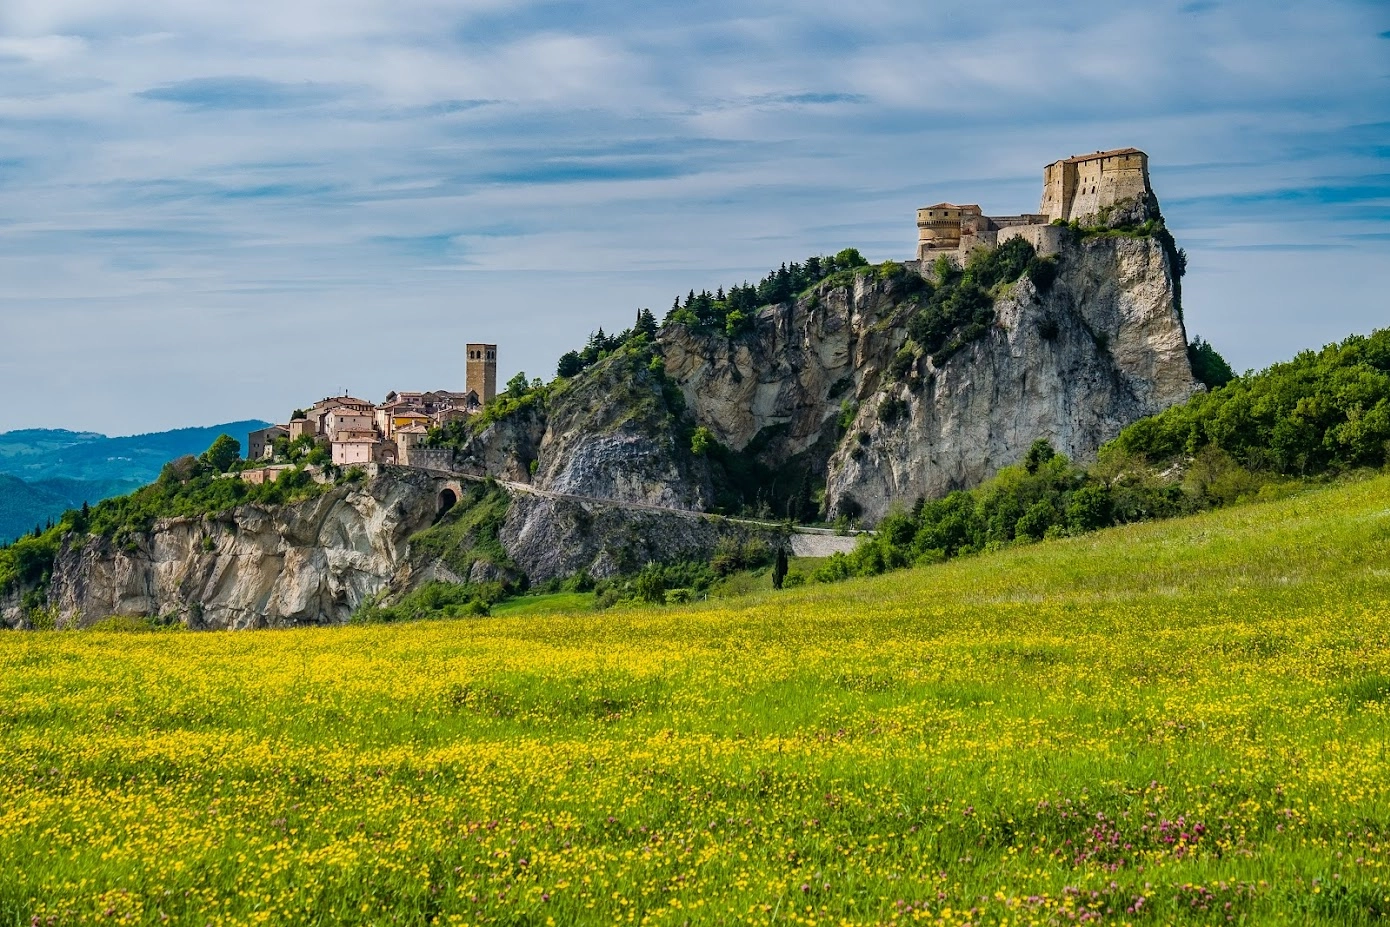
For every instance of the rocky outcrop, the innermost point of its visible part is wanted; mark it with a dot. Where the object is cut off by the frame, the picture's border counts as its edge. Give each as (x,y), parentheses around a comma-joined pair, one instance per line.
(309,563)
(505,449)
(1103,347)
(317,561)
(611,434)
(779,389)
(553,537)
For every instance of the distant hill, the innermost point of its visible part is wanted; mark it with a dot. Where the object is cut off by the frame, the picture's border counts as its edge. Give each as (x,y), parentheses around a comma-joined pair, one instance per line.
(44,472)
(23,506)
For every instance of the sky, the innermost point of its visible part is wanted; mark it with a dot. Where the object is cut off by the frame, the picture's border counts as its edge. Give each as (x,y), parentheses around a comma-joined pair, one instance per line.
(220,210)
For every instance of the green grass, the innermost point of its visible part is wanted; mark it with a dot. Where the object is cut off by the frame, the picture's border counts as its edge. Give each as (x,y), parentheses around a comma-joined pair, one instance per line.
(557,603)
(1177,722)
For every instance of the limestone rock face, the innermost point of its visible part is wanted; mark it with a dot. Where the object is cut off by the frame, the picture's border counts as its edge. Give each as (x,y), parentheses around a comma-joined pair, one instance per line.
(506,448)
(780,388)
(254,566)
(1102,348)
(557,537)
(610,434)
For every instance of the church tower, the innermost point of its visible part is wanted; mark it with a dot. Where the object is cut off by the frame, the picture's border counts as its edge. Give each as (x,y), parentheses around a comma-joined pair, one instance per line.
(482,371)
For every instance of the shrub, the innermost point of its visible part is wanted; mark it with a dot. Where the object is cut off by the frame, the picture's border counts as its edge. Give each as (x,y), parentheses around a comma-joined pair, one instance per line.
(701,441)
(1043,272)
(892,408)
(1209,367)
(1033,524)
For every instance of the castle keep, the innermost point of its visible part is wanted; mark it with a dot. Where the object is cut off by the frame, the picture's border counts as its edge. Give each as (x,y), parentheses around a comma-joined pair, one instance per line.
(1085,184)
(1073,189)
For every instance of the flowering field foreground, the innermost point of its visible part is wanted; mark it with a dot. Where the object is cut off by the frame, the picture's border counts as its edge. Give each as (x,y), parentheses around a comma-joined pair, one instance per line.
(1183,722)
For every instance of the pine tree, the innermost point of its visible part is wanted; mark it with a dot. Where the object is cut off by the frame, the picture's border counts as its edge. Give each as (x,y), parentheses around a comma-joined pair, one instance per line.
(646,323)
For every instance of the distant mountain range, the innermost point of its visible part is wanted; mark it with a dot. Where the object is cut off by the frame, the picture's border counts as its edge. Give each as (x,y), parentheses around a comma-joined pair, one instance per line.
(44,472)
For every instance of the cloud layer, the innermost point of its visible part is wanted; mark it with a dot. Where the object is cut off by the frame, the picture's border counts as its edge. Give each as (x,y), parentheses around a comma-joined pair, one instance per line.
(214,211)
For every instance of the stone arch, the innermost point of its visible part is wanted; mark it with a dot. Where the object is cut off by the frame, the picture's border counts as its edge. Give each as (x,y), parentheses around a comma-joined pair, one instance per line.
(447,500)
(450,494)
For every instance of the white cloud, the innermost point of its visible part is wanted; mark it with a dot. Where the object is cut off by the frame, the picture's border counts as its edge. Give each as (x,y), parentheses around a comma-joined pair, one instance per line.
(40,48)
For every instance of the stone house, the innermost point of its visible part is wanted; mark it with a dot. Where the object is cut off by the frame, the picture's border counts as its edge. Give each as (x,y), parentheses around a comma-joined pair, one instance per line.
(346,419)
(300,427)
(260,444)
(355,447)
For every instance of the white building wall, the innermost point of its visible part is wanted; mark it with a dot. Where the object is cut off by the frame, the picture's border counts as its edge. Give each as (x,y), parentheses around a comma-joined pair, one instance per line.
(346,453)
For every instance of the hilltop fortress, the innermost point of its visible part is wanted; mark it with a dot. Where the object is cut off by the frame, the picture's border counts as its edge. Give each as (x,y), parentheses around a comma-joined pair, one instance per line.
(1074,189)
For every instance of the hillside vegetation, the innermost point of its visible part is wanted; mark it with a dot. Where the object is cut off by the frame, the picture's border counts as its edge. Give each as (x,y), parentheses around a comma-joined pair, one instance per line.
(1320,415)
(1173,722)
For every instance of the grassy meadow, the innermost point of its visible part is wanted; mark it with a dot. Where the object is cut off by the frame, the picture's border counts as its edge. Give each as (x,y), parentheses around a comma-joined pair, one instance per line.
(1175,722)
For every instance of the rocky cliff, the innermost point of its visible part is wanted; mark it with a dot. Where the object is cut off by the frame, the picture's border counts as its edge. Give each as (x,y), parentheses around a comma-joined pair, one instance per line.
(317,561)
(832,383)
(254,566)
(1103,347)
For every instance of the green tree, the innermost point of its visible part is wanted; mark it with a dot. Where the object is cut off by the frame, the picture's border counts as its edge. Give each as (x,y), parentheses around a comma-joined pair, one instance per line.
(518,385)
(570,365)
(849,258)
(1035,521)
(1040,453)
(650,584)
(223,453)
(1209,367)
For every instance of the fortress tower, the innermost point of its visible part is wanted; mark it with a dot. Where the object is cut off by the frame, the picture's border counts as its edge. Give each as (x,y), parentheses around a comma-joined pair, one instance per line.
(482,371)
(1073,188)
(1083,185)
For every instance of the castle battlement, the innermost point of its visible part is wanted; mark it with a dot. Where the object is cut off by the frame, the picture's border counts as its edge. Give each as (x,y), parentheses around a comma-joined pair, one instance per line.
(1074,188)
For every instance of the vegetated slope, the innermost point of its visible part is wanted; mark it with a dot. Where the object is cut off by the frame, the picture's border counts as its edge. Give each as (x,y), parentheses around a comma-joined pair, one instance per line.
(1174,722)
(60,469)
(25,505)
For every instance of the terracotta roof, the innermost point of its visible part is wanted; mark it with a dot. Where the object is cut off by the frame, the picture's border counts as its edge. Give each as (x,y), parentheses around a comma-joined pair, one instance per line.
(1101,154)
(413,430)
(410,414)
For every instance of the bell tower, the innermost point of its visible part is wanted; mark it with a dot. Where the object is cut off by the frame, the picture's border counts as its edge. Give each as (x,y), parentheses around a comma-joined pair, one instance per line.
(482,371)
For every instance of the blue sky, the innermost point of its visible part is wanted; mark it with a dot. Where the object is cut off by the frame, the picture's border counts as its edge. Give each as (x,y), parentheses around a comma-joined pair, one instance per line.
(217,210)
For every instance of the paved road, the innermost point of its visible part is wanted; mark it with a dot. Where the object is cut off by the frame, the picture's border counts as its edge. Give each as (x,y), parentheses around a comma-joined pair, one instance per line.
(806,541)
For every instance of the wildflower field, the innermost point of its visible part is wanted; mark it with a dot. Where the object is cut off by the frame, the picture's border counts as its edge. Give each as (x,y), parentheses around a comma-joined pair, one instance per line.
(1178,722)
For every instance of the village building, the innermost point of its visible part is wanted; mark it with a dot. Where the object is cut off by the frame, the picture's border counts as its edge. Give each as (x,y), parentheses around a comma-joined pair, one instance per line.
(299,427)
(395,431)
(346,419)
(355,447)
(260,444)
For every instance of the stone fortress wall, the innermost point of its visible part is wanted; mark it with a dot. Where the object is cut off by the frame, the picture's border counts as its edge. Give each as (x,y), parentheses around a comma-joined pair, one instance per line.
(1073,189)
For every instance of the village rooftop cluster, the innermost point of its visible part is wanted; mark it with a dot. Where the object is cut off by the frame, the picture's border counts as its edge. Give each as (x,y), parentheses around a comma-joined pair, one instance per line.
(392,432)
